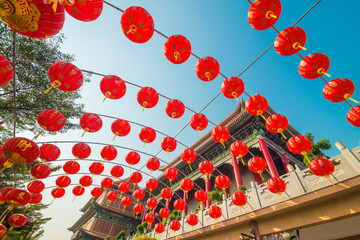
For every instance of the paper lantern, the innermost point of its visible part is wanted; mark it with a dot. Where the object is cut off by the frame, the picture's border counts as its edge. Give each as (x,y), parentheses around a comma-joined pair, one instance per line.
(111,196)
(338,90)
(139,194)
(17,197)
(192,220)
(6,72)
(239,199)
(353,116)
(123,187)
(3,231)
(71,167)
(138,209)
(78,191)
(314,65)
(164,213)
(117,171)
(299,145)
(120,128)
(277,123)
(166,193)
(257,105)
(81,150)
(276,185)
(171,174)
(147,135)
(85,180)
(63,181)
(188,155)
(220,134)
(135,178)
(222,182)
(65,77)
(232,87)
(85,11)
(322,167)
(35,186)
(112,87)
(96,192)
(215,212)
(20,151)
(179,204)
(174,108)
(175,225)
(35,198)
(132,158)
(16,220)
(263,14)
(201,196)
(151,184)
(152,164)
(49,152)
(257,165)
(90,122)
(177,49)
(198,122)
(51,120)
(206,168)
(147,97)
(137,24)
(186,185)
(151,203)
(149,217)
(107,183)
(207,69)
(108,153)
(126,201)
(96,168)
(168,144)
(239,149)
(40,171)
(33,19)
(3,193)
(290,41)
(58,192)
(159,228)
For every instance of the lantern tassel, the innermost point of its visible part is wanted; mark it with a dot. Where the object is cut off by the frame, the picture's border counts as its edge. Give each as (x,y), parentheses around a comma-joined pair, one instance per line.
(150,193)
(240,210)
(38,135)
(263,117)
(167,153)
(130,168)
(170,183)
(190,166)
(114,137)
(1,171)
(108,203)
(92,199)
(4,217)
(242,160)
(144,145)
(47,90)
(306,157)
(124,209)
(105,98)
(283,135)
(273,15)
(186,193)
(120,195)
(222,142)
(135,216)
(192,228)
(199,132)
(73,199)
(234,95)
(133,186)
(83,133)
(326,74)
(353,100)
(26,209)
(332,183)
(261,175)
(281,196)
(150,172)
(52,201)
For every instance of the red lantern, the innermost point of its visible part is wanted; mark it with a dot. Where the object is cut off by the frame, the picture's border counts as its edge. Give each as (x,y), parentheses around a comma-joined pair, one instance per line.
(290,41)
(164,213)
(108,153)
(58,192)
(3,231)
(299,145)
(96,192)
(135,178)
(239,149)
(19,150)
(168,144)
(198,122)
(147,97)
(192,220)
(117,171)
(120,128)
(177,49)
(152,164)
(232,87)
(159,228)
(16,220)
(3,193)
(126,201)
(276,185)
(107,183)
(188,155)
(239,199)
(139,194)
(49,152)
(71,167)
(314,65)
(201,196)
(85,11)
(6,72)
(111,196)
(40,171)
(17,197)
(78,191)
(132,158)
(206,168)
(96,168)
(338,90)
(65,77)
(174,108)
(171,174)
(51,120)
(257,165)
(149,217)
(179,204)
(207,69)
(220,134)
(151,184)
(166,193)
(34,20)
(256,105)
(175,225)
(263,14)
(63,181)
(112,87)
(147,135)
(353,116)
(35,198)
(137,24)
(81,150)
(215,212)
(138,209)
(123,187)
(222,182)
(186,185)
(86,181)
(277,123)
(35,186)
(322,167)
(152,203)
(90,122)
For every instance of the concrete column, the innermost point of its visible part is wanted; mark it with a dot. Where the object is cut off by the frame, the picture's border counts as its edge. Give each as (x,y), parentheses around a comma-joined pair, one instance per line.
(186,202)
(257,178)
(348,156)
(269,161)
(225,203)
(254,229)
(285,161)
(236,168)
(207,190)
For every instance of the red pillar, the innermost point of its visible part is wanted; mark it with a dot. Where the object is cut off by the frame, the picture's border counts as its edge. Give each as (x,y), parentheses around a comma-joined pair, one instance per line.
(269,162)
(168,202)
(186,202)
(257,178)
(236,168)
(143,215)
(152,224)
(207,190)
(285,161)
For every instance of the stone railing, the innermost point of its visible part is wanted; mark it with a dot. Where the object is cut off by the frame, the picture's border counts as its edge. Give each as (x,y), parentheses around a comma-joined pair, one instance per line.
(299,182)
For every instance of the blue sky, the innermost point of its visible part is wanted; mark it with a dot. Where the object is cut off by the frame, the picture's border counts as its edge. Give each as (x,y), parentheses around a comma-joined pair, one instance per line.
(218,29)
